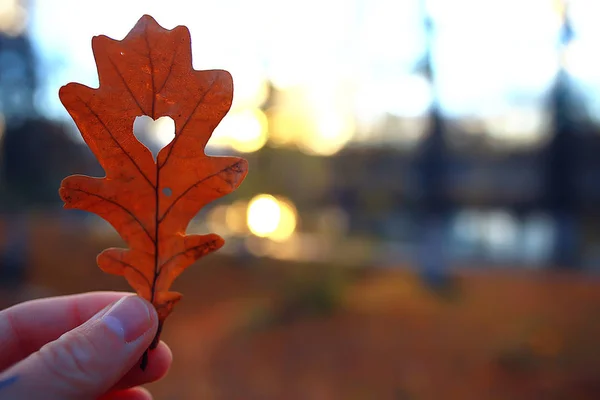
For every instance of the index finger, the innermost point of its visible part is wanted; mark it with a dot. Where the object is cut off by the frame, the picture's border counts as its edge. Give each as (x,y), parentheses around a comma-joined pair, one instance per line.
(26,327)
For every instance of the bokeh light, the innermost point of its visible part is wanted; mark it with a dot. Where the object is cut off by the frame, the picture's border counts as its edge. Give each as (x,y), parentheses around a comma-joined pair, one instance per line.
(245,131)
(235,217)
(13,17)
(315,119)
(287,221)
(332,131)
(286,124)
(271,217)
(251,89)
(264,215)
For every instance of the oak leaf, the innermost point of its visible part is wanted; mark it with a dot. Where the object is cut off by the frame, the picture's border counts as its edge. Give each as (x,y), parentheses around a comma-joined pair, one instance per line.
(150,203)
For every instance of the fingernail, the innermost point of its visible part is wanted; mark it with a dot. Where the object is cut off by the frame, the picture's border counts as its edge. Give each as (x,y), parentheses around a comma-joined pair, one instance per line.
(129,317)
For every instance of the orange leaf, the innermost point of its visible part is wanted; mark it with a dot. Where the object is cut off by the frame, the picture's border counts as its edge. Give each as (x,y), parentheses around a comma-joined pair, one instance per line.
(151,203)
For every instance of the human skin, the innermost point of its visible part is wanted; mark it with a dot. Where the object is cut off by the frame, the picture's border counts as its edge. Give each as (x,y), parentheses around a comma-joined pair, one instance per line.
(84,346)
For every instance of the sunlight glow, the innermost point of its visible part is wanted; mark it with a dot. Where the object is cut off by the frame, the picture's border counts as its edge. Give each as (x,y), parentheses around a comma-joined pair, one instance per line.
(518,126)
(250,85)
(235,217)
(358,61)
(331,133)
(287,221)
(264,215)
(316,118)
(271,217)
(286,124)
(13,17)
(245,131)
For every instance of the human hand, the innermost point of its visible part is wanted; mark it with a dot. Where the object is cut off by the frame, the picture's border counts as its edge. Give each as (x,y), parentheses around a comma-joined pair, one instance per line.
(77,347)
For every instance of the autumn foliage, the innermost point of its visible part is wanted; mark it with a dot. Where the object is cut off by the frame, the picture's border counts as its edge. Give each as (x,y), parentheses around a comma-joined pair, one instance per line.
(150,203)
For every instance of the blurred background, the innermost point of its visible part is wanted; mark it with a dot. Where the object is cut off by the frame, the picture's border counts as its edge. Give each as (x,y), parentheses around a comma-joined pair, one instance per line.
(421,218)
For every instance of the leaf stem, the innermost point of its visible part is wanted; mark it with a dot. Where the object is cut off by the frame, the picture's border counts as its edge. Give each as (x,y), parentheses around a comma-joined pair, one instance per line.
(153,345)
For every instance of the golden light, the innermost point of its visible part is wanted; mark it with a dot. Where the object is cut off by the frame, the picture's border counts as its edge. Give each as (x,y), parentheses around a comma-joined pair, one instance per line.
(263,215)
(285,73)
(523,126)
(235,217)
(249,92)
(287,221)
(245,131)
(268,216)
(560,9)
(333,130)
(13,17)
(287,125)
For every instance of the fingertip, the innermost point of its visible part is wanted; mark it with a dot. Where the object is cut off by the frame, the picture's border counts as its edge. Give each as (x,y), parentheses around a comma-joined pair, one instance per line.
(149,305)
(132,318)
(159,362)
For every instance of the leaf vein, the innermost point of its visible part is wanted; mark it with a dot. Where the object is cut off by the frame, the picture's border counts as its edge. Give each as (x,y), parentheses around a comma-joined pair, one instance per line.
(95,114)
(203,245)
(131,214)
(178,134)
(151,70)
(161,219)
(169,72)
(135,269)
(126,86)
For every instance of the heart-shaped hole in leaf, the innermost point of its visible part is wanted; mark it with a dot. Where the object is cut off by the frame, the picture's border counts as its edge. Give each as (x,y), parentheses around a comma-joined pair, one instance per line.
(154,134)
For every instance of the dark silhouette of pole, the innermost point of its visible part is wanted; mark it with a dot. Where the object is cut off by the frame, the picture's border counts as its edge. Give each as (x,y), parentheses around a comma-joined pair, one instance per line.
(431,154)
(560,187)
(431,162)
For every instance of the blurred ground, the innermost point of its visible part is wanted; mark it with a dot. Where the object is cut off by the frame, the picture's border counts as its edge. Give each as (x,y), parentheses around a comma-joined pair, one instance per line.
(266,330)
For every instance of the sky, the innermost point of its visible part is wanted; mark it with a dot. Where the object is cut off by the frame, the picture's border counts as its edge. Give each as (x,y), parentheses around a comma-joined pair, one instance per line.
(353,57)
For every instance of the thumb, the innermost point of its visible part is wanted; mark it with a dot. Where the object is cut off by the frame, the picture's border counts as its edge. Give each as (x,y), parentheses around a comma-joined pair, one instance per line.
(88,361)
